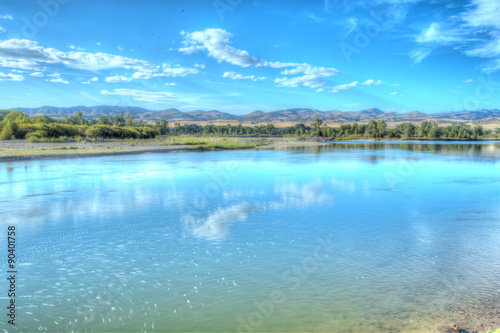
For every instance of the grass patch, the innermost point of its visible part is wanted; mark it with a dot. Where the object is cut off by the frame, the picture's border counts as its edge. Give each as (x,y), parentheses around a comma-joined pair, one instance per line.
(64,148)
(210,142)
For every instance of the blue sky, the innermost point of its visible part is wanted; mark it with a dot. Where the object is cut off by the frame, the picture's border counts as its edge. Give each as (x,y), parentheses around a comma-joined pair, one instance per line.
(239,56)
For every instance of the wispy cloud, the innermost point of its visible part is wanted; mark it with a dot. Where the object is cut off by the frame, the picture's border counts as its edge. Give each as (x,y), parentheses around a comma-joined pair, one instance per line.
(237,76)
(142,95)
(311,81)
(474,32)
(372,82)
(436,34)
(59,80)
(483,13)
(419,54)
(117,78)
(11,77)
(6,17)
(172,71)
(37,74)
(346,86)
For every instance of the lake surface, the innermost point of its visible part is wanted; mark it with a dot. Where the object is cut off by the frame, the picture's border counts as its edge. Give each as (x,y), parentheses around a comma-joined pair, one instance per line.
(352,237)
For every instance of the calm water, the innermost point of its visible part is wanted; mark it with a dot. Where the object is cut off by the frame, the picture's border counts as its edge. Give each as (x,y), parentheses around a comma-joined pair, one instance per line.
(345,237)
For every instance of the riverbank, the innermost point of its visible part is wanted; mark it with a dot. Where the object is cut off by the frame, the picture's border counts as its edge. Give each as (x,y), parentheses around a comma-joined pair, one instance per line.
(15,150)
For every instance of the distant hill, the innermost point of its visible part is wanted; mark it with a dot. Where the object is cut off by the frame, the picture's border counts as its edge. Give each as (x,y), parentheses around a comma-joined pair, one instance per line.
(299,115)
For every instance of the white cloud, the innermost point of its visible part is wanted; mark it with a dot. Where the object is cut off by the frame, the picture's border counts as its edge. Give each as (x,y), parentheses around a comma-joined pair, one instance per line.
(142,95)
(117,78)
(166,71)
(310,70)
(346,86)
(6,17)
(170,71)
(474,32)
(141,75)
(435,34)
(419,55)
(37,74)
(393,93)
(98,44)
(22,64)
(11,77)
(2,29)
(484,13)
(56,75)
(94,79)
(170,84)
(199,66)
(468,80)
(493,66)
(237,76)
(59,80)
(311,81)
(120,48)
(27,54)
(217,43)
(488,50)
(73,47)
(372,82)
(86,82)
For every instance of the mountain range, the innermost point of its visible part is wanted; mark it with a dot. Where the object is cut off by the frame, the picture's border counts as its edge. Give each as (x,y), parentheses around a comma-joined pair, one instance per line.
(259,117)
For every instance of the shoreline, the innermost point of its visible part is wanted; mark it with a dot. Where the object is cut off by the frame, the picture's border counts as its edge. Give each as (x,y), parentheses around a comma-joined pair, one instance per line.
(22,150)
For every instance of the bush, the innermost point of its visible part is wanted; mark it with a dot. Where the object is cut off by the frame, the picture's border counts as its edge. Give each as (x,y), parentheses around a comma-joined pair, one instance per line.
(114,132)
(7,132)
(50,130)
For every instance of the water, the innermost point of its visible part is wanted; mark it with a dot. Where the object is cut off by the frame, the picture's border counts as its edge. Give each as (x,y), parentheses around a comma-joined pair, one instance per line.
(346,237)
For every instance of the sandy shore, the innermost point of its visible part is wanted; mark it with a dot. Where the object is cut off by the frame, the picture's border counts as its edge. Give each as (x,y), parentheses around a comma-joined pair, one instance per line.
(15,150)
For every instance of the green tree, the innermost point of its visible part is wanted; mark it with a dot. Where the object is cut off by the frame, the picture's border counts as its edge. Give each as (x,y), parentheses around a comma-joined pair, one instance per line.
(130,120)
(478,131)
(381,128)
(10,131)
(120,120)
(371,129)
(317,122)
(162,126)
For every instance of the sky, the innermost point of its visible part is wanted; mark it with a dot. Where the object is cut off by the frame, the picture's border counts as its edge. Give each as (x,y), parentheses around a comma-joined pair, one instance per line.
(239,56)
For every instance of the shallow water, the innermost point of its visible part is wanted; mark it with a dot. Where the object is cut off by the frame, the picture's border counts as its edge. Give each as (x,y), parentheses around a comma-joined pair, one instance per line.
(357,237)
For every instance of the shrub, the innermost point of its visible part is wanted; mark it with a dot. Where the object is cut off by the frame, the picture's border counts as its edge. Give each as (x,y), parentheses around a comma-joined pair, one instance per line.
(7,132)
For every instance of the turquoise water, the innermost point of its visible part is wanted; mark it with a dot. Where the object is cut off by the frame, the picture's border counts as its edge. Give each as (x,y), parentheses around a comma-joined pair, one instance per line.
(345,237)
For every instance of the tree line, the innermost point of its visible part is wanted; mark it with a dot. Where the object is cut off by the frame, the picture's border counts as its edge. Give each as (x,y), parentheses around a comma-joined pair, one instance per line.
(379,130)
(17,125)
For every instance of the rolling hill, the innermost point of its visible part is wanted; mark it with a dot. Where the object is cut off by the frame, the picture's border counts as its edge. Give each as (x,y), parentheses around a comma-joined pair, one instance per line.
(299,115)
